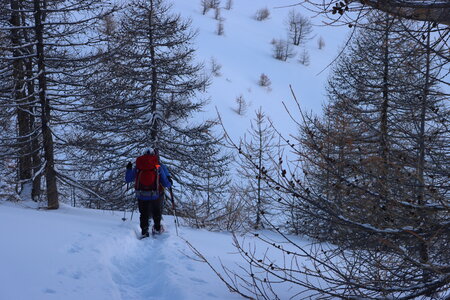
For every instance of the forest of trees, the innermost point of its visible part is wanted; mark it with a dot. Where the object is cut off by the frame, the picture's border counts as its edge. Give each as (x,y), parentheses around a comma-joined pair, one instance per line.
(86,87)
(370,176)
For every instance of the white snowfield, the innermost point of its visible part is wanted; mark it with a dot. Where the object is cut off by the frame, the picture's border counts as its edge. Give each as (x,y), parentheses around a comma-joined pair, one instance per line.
(74,253)
(245,52)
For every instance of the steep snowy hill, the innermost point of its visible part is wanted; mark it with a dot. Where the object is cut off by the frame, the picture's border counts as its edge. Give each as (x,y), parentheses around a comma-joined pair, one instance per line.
(75,253)
(245,51)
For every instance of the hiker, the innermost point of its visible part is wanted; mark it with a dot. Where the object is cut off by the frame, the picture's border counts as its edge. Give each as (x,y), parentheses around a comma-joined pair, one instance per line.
(150,179)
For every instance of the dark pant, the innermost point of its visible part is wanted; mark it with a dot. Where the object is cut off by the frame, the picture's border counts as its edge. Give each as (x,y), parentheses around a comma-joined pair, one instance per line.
(150,208)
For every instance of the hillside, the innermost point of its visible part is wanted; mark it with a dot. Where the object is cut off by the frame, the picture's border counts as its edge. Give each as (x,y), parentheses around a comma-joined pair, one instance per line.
(245,51)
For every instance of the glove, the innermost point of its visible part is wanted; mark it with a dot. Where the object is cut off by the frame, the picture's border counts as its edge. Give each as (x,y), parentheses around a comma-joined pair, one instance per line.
(129,166)
(170,180)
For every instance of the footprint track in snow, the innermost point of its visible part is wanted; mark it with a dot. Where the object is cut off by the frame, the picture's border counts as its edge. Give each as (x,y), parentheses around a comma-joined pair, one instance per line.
(145,272)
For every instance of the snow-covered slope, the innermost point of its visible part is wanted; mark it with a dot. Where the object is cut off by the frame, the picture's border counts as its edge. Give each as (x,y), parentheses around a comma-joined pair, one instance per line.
(86,254)
(74,253)
(245,52)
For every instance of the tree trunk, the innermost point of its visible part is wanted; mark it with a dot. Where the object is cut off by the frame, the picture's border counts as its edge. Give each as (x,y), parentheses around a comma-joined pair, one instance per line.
(260,174)
(20,96)
(34,134)
(421,159)
(50,173)
(154,84)
(384,118)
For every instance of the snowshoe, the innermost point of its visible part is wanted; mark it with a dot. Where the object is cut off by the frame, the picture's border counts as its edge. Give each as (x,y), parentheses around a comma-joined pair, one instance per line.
(154,231)
(144,234)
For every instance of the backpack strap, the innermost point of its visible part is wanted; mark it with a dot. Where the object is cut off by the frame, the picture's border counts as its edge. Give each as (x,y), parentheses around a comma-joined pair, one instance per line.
(157,177)
(138,177)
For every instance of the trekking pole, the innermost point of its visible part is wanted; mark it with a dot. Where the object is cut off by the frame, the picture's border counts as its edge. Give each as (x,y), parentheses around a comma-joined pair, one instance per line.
(133,208)
(125,209)
(175,219)
(132,212)
(135,201)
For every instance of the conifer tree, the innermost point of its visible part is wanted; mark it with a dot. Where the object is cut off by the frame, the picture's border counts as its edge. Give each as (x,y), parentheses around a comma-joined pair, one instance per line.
(206,204)
(360,119)
(145,94)
(18,95)
(49,44)
(376,163)
(256,163)
(373,178)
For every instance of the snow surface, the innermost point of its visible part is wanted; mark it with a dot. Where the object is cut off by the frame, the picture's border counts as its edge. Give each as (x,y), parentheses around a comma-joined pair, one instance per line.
(75,253)
(85,254)
(245,52)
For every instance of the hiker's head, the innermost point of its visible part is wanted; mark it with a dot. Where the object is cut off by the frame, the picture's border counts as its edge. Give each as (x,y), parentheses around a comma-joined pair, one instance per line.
(149,151)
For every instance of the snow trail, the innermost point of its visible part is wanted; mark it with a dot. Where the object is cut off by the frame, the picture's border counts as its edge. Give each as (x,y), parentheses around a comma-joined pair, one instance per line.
(158,268)
(74,253)
(145,273)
